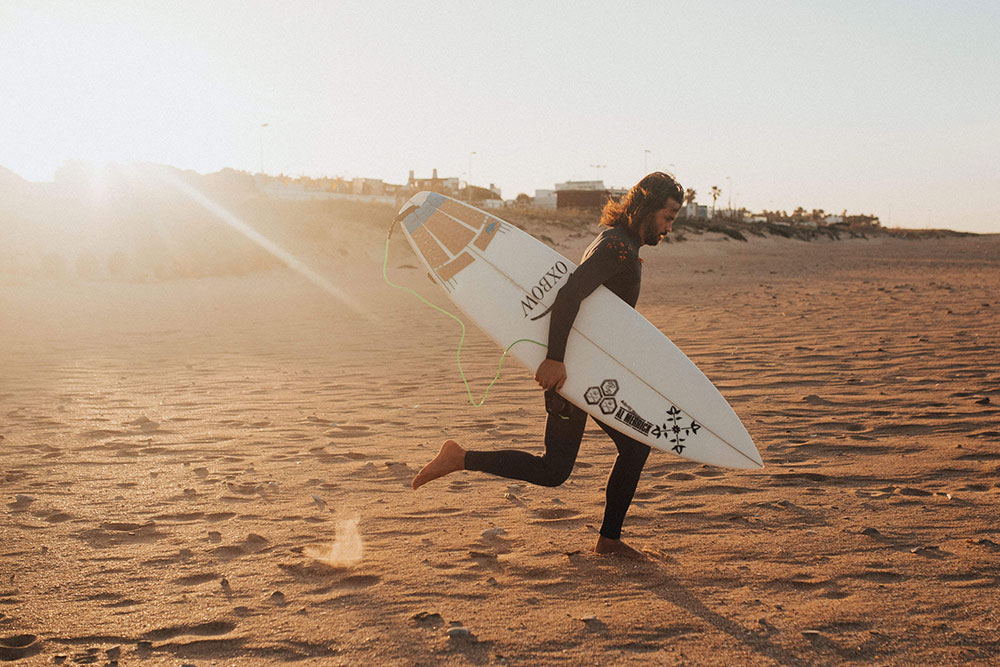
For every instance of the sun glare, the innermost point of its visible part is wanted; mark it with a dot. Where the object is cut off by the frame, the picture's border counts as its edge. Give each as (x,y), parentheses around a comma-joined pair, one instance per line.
(287,258)
(101,92)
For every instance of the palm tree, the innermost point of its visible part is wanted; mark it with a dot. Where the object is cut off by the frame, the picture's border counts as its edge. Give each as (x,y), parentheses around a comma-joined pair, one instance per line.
(716,193)
(689,196)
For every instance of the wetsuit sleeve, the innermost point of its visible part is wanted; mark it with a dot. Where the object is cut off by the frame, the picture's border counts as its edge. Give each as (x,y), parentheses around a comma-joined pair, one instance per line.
(604,262)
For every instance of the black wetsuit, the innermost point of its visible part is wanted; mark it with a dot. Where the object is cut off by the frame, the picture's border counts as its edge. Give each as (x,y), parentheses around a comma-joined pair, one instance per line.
(611,260)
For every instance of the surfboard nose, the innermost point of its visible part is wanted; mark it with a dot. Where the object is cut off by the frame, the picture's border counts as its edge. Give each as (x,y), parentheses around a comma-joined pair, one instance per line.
(419,208)
(417,199)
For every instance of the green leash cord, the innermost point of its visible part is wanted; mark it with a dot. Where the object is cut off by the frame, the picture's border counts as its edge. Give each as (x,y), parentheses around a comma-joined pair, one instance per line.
(461,341)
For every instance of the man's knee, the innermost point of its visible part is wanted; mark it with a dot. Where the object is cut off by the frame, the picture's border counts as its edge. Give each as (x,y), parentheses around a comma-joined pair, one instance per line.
(556,474)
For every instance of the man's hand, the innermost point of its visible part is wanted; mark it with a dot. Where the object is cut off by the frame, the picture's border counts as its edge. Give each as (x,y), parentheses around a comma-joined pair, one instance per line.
(551,375)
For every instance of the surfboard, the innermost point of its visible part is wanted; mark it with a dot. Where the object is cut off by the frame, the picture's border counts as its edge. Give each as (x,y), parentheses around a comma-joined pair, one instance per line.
(621,369)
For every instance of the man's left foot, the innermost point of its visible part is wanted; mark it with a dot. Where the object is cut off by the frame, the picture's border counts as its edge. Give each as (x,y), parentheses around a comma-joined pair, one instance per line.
(606,545)
(450,459)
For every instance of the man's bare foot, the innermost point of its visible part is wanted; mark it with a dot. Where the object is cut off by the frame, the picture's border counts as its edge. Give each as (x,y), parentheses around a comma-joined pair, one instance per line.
(606,545)
(449,459)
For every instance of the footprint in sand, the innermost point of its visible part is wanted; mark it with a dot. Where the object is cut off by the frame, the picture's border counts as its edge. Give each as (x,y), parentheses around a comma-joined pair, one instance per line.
(399,470)
(425,619)
(113,600)
(802,582)
(879,576)
(211,629)
(112,534)
(909,491)
(348,431)
(15,647)
(357,582)
(179,557)
(252,544)
(797,478)
(195,579)
(555,514)
(835,592)
(21,502)
(715,490)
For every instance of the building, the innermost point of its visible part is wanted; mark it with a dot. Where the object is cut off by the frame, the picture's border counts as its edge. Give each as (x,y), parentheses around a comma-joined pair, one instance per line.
(367,186)
(581,185)
(304,188)
(545,199)
(582,198)
(693,211)
(583,194)
(445,186)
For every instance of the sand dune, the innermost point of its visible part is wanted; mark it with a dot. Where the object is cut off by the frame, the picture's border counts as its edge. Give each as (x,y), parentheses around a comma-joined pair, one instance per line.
(175,453)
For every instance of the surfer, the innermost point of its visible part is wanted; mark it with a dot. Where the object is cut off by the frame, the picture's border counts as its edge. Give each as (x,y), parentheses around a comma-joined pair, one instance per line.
(642,217)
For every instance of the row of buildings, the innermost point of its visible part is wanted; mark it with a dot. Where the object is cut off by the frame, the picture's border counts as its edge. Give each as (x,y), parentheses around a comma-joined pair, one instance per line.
(570,194)
(373,189)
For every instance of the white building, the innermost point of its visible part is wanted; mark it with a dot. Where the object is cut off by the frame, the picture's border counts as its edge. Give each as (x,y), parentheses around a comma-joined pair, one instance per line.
(545,199)
(581,185)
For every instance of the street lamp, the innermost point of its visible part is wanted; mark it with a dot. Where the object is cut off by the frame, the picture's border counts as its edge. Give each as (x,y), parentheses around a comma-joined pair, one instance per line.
(468,186)
(260,132)
(598,168)
(729,187)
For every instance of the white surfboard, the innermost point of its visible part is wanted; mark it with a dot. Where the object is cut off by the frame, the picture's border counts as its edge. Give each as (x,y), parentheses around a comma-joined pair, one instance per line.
(620,368)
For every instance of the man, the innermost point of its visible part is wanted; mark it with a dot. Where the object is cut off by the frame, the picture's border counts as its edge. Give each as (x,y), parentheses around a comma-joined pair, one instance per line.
(642,217)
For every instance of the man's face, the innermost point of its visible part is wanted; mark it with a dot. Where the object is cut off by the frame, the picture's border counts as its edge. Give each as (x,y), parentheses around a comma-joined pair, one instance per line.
(656,226)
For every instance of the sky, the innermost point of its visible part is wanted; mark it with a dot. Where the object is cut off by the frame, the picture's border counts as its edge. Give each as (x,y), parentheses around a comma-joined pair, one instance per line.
(877,106)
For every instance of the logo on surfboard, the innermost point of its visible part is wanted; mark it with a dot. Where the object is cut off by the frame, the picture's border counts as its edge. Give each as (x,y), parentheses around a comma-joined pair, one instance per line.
(674,430)
(545,284)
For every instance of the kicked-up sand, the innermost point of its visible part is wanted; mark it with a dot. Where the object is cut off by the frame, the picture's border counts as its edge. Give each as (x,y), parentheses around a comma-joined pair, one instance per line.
(217,471)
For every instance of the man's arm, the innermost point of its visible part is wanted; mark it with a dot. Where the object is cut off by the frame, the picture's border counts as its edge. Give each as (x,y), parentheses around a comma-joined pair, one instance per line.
(594,271)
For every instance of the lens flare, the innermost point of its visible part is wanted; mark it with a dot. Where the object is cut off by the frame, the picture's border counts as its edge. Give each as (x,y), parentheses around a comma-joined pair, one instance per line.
(285,257)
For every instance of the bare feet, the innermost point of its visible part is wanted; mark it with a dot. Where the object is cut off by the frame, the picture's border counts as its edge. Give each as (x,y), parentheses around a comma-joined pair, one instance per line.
(606,545)
(449,459)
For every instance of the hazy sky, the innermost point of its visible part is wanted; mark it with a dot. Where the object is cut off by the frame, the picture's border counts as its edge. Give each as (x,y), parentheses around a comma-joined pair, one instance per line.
(872,106)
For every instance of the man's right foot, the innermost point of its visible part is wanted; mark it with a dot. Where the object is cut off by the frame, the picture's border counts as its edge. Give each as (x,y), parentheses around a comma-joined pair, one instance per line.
(605,545)
(450,459)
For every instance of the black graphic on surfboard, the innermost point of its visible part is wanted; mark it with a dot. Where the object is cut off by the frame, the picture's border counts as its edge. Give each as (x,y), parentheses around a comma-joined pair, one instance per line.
(675,432)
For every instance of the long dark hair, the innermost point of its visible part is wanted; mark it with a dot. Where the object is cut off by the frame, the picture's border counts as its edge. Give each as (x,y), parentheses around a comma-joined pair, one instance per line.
(646,198)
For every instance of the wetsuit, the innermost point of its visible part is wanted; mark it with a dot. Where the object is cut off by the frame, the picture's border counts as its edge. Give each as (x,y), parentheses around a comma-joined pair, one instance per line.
(611,260)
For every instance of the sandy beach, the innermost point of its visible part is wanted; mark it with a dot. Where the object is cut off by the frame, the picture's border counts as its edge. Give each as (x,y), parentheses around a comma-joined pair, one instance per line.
(217,470)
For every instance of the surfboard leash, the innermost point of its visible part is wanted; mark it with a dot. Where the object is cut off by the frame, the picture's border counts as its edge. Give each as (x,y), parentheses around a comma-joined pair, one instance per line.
(461,340)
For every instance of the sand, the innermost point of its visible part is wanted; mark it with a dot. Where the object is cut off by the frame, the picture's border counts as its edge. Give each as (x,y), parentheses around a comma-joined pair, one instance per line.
(179,456)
